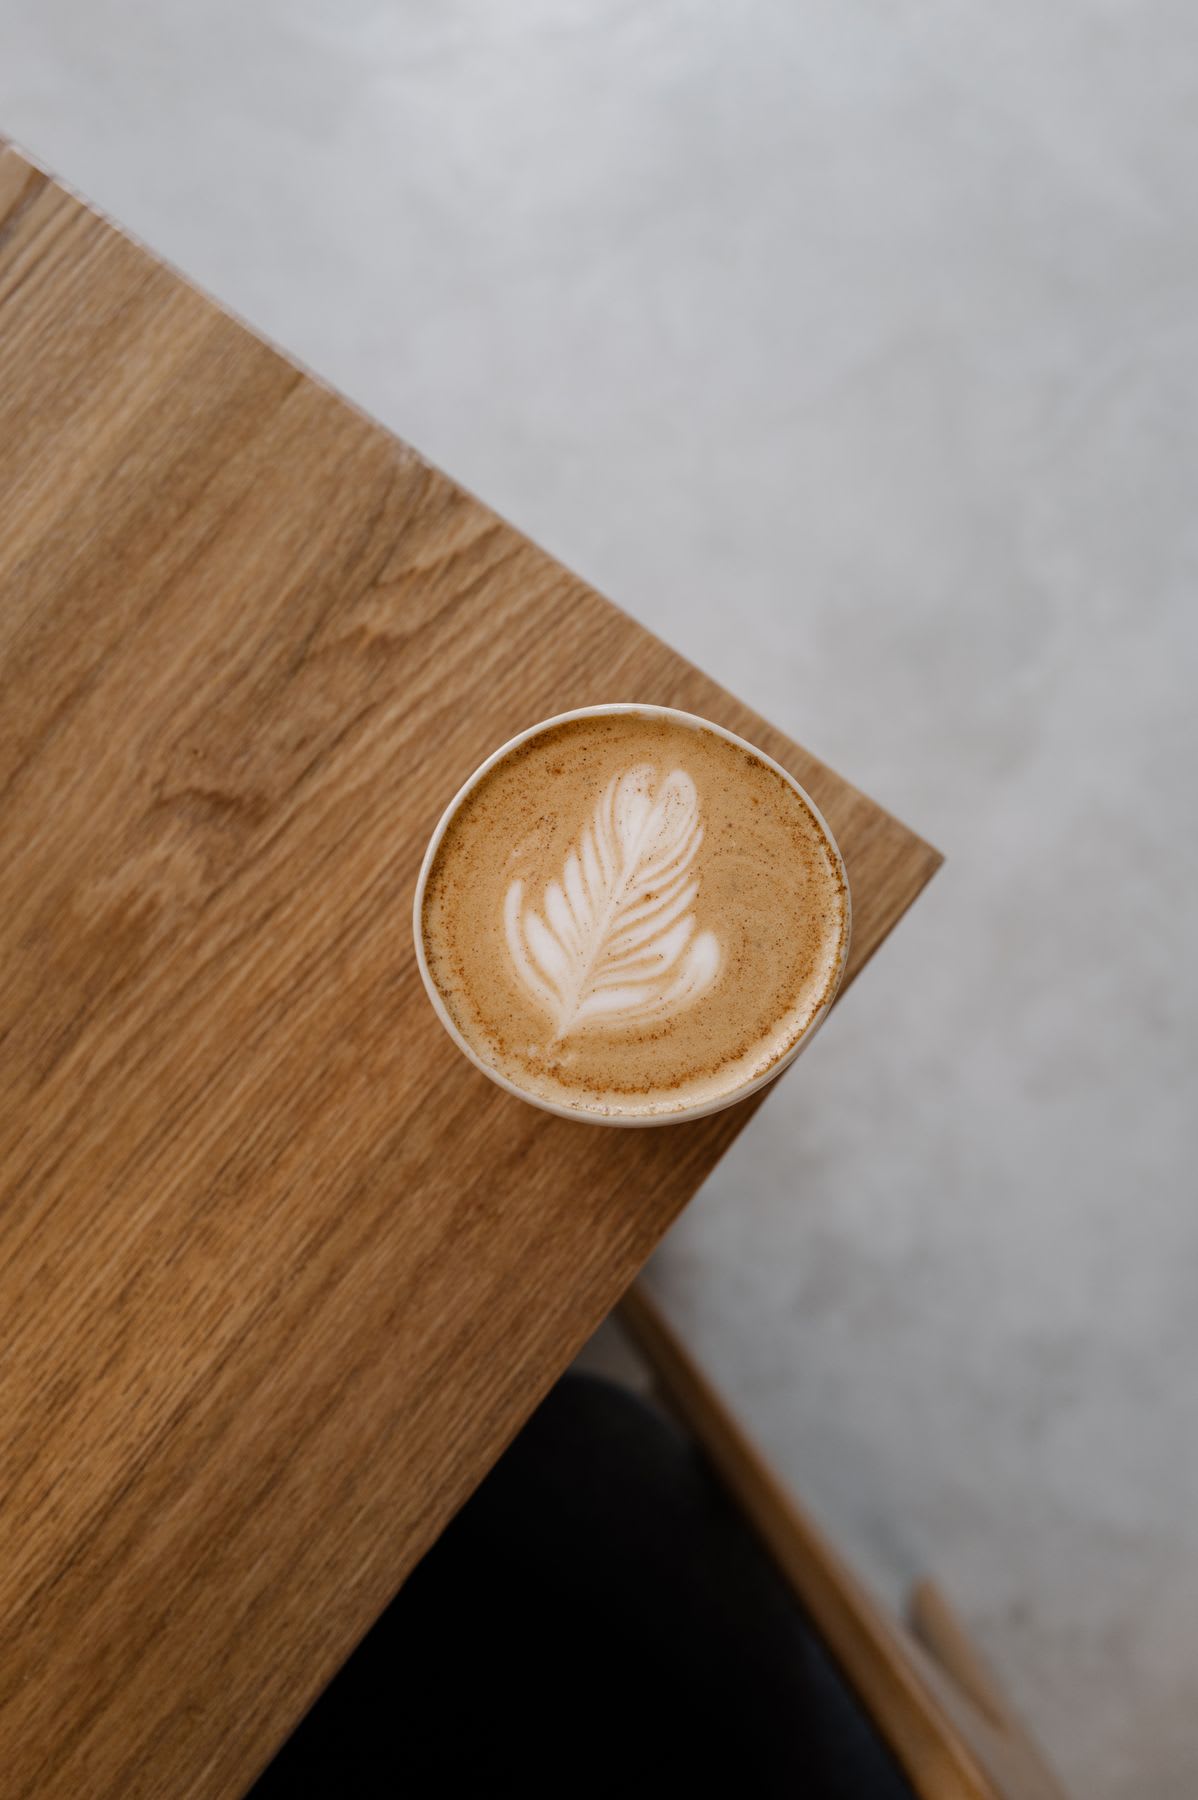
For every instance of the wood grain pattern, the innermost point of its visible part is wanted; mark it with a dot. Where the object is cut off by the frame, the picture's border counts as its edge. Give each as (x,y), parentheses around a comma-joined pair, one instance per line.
(280,1274)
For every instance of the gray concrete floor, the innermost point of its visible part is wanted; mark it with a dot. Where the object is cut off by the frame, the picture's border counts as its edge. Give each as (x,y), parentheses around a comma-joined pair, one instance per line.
(854,348)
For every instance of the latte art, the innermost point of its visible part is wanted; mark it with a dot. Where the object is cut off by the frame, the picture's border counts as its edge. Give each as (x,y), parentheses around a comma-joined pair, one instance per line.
(630,915)
(617,939)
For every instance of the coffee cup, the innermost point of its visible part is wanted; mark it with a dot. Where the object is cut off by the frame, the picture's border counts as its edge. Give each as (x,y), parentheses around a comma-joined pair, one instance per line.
(629,916)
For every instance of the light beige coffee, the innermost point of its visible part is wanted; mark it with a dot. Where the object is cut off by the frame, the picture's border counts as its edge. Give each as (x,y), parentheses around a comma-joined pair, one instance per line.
(629,915)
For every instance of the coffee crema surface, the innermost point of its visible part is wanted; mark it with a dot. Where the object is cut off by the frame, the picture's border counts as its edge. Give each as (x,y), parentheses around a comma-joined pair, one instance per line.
(632,916)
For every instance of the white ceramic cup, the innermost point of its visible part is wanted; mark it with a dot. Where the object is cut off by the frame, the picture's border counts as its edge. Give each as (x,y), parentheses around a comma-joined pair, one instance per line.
(698,1111)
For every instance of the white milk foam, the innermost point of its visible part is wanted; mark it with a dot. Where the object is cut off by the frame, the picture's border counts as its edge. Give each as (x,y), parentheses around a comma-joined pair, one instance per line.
(615,938)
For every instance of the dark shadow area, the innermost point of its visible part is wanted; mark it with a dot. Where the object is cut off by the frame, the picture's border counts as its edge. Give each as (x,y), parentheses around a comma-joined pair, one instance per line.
(596,1620)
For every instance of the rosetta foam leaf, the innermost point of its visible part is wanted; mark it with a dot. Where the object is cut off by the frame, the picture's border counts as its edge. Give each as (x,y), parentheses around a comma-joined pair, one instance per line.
(615,938)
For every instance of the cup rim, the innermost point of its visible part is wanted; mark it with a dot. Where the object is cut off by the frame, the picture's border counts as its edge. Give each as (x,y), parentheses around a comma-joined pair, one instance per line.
(682,1115)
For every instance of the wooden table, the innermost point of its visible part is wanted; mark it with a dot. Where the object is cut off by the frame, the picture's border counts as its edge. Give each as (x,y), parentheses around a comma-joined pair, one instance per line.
(280,1274)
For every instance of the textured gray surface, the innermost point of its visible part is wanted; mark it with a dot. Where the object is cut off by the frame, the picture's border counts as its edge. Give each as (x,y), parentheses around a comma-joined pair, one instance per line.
(854,348)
